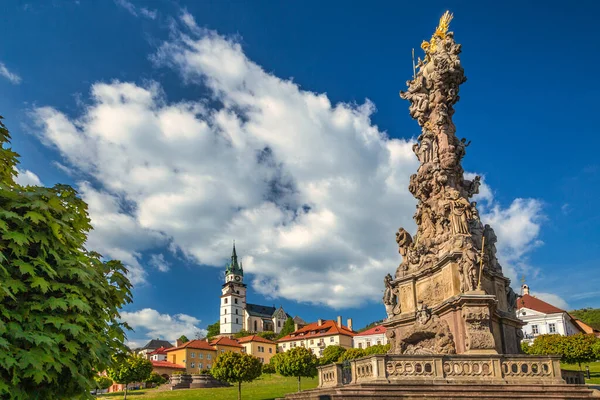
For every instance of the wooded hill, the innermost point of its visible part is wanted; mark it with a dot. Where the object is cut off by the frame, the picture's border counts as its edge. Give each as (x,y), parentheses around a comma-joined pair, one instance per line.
(590,316)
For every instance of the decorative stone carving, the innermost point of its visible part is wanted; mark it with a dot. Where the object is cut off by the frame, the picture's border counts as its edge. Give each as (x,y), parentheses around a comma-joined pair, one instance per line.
(389,296)
(429,335)
(511,300)
(479,336)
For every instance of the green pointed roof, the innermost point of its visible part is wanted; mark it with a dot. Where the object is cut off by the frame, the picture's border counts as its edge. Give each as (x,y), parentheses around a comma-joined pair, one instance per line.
(234,267)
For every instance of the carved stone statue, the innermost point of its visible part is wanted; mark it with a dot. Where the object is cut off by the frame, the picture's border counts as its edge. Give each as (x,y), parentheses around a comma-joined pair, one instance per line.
(472,187)
(460,213)
(389,297)
(511,300)
(404,240)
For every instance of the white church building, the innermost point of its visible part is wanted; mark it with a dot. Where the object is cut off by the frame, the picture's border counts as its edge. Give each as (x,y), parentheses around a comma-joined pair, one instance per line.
(236,314)
(543,318)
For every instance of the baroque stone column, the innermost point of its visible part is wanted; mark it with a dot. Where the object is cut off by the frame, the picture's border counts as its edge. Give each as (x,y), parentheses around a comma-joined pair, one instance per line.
(449,274)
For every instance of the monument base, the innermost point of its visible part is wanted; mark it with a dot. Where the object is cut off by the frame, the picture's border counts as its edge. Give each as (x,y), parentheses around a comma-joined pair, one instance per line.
(445,377)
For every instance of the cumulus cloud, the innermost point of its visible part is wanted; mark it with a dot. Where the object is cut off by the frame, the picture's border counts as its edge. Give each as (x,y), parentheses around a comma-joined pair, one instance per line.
(313,192)
(11,76)
(150,324)
(136,11)
(27,178)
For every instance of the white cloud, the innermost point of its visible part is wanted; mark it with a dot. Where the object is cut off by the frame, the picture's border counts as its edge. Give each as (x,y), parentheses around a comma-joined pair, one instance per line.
(158,261)
(312,192)
(136,11)
(160,326)
(27,178)
(11,76)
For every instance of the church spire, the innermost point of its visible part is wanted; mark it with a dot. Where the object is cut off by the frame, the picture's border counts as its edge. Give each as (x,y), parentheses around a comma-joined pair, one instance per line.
(234,267)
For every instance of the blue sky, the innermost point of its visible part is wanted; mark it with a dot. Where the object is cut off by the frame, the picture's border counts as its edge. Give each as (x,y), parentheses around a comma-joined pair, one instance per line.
(158,111)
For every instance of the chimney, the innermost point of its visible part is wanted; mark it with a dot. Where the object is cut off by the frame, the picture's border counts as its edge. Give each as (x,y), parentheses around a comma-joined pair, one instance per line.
(295,326)
(178,343)
(339,322)
(350,323)
(525,289)
(319,322)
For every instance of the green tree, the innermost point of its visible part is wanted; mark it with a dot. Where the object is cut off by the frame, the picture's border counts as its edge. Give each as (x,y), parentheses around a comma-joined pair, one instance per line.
(183,339)
(269,335)
(103,382)
(352,354)
(241,334)
(236,368)
(213,330)
(377,349)
(298,362)
(331,354)
(525,348)
(129,368)
(575,349)
(277,359)
(155,379)
(59,302)
(288,327)
(268,368)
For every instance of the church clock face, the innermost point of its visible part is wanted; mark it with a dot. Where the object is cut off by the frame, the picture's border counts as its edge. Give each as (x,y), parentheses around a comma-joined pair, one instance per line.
(237,278)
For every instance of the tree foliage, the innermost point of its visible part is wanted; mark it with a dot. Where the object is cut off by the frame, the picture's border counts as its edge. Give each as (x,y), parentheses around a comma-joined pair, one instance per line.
(183,339)
(590,316)
(377,349)
(574,349)
(103,382)
(130,368)
(352,354)
(236,368)
(213,330)
(155,379)
(59,302)
(331,354)
(268,368)
(298,362)
(288,327)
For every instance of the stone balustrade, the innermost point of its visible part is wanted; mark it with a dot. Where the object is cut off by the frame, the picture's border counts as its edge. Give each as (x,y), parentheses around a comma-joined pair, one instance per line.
(445,368)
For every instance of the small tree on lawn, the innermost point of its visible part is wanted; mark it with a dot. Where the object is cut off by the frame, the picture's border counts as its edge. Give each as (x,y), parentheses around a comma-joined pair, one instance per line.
(103,382)
(298,362)
(331,354)
(579,348)
(128,369)
(183,339)
(236,368)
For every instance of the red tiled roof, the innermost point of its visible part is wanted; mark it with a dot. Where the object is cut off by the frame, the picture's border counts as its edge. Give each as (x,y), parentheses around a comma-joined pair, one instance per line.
(166,364)
(193,344)
(225,341)
(533,303)
(377,330)
(585,327)
(329,327)
(160,350)
(255,338)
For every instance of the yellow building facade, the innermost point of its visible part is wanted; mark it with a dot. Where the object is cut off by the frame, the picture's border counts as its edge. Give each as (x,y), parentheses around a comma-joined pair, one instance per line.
(194,356)
(259,347)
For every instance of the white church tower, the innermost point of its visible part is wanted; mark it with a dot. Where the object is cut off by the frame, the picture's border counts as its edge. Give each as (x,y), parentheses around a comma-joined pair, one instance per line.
(233,297)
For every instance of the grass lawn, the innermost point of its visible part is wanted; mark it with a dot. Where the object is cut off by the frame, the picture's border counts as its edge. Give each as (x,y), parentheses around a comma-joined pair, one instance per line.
(594,370)
(264,388)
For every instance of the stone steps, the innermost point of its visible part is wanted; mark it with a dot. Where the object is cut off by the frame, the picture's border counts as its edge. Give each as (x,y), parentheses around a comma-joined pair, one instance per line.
(448,391)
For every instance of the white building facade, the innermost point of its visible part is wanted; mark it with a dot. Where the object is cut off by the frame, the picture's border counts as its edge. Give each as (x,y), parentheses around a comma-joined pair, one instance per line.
(542,318)
(371,337)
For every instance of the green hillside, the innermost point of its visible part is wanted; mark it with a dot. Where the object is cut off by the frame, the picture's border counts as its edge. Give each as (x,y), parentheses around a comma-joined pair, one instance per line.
(590,316)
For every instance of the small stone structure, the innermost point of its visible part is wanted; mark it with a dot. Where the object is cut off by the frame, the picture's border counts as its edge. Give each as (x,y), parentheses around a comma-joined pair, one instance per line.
(451,318)
(195,381)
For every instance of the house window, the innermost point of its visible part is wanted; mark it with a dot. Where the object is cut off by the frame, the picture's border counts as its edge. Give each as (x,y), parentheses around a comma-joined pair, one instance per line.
(225,301)
(331,339)
(279,324)
(208,357)
(200,365)
(236,311)
(193,365)
(222,351)
(552,328)
(368,344)
(360,345)
(235,300)
(312,341)
(200,355)
(283,346)
(193,355)
(378,342)
(255,326)
(236,320)
(270,350)
(225,320)
(534,329)
(207,366)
